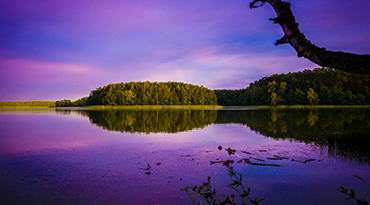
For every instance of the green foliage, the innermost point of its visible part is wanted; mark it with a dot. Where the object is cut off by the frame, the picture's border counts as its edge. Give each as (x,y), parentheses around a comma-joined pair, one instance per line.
(332,87)
(272,86)
(312,96)
(299,97)
(27,104)
(210,195)
(146,93)
(69,103)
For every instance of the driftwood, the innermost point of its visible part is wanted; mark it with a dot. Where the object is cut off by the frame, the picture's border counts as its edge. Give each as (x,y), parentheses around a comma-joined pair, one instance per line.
(292,35)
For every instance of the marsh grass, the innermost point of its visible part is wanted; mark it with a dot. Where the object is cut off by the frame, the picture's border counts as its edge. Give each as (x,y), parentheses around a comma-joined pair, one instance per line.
(26,104)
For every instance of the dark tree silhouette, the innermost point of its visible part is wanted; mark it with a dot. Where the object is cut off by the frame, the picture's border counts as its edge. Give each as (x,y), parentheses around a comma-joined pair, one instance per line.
(338,60)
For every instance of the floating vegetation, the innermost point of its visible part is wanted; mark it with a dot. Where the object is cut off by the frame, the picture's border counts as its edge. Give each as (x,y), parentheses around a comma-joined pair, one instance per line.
(274,158)
(215,162)
(147,167)
(230,151)
(304,162)
(260,159)
(246,152)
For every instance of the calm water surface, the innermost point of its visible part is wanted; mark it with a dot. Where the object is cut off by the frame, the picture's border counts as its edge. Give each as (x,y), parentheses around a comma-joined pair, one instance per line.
(50,156)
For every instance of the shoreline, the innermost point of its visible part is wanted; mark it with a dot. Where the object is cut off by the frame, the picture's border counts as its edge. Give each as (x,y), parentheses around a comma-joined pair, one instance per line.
(140,107)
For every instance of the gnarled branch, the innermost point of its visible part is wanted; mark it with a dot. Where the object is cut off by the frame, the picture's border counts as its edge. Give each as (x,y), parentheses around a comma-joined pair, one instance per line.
(338,60)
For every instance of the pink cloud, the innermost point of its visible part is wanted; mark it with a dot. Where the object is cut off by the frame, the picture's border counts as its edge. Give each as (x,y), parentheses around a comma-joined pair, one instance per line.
(215,69)
(25,79)
(47,72)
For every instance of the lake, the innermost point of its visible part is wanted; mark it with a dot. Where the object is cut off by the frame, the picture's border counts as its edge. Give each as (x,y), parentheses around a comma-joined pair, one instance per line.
(78,156)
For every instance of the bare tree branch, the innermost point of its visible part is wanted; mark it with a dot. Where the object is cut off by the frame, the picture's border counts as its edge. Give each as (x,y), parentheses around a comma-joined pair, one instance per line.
(292,35)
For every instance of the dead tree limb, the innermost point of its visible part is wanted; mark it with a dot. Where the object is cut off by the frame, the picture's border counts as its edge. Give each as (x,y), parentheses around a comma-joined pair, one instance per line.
(349,62)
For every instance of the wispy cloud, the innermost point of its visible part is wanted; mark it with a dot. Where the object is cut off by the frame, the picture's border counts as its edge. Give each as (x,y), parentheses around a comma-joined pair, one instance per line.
(64,49)
(214,68)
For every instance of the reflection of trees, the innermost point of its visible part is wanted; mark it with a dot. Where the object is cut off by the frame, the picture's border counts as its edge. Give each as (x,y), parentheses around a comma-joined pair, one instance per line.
(69,111)
(152,121)
(313,117)
(343,131)
(351,146)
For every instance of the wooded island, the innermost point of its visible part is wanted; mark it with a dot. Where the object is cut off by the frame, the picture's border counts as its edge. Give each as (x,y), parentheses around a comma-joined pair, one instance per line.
(320,86)
(147,93)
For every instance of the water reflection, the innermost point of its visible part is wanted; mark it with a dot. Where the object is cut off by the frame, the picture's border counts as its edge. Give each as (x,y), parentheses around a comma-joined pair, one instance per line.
(151,121)
(343,131)
(63,158)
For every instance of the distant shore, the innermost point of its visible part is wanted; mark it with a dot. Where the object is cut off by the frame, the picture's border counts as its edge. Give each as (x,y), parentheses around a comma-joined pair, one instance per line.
(26,104)
(51,104)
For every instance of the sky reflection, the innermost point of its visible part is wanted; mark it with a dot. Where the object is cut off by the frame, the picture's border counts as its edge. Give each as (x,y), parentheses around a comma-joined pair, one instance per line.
(21,133)
(52,158)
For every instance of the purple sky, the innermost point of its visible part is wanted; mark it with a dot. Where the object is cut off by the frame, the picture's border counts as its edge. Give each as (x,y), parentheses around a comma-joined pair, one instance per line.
(51,50)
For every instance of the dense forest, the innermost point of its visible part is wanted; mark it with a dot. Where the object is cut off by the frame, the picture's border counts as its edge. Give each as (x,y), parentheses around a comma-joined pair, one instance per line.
(320,86)
(147,93)
(68,103)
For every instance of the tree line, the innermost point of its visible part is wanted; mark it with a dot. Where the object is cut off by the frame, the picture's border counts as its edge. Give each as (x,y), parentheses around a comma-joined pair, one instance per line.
(69,103)
(320,86)
(27,103)
(147,93)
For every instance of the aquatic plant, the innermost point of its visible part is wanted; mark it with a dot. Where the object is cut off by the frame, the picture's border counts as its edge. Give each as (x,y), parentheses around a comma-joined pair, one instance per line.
(352,195)
(211,196)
